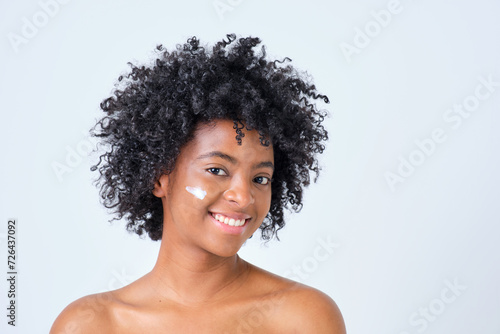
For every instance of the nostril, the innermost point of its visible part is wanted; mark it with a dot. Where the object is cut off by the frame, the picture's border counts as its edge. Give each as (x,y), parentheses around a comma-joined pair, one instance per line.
(241,196)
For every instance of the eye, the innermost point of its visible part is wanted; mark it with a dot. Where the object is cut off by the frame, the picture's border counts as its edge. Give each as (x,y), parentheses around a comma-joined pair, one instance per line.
(262,180)
(217,171)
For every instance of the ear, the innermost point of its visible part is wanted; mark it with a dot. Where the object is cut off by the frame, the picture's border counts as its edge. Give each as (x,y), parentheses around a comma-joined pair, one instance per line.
(161,186)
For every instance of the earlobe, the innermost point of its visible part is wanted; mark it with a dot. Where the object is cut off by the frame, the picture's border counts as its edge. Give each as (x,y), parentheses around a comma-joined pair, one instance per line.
(160,188)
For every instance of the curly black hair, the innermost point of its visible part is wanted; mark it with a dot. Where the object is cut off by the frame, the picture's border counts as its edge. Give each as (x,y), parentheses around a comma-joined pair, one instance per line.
(155,109)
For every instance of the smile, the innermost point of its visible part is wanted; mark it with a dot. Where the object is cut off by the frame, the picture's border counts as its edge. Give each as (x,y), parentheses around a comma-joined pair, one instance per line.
(229,221)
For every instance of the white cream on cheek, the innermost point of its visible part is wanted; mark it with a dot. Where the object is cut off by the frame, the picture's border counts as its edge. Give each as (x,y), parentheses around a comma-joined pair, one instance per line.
(197,192)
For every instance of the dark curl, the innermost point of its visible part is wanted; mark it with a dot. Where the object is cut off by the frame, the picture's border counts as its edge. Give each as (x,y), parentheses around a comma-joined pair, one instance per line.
(155,109)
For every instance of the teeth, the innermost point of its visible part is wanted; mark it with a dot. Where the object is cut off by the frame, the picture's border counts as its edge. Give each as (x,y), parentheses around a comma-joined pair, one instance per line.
(229,221)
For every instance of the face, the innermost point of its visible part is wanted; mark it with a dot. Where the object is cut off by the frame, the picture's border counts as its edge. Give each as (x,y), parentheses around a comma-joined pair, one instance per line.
(219,192)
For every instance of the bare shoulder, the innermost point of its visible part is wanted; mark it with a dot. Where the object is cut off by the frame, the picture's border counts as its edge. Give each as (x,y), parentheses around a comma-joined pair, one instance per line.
(302,309)
(309,310)
(89,313)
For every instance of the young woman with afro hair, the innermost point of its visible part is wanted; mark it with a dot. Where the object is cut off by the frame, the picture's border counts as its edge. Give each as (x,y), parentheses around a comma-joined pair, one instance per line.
(204,147)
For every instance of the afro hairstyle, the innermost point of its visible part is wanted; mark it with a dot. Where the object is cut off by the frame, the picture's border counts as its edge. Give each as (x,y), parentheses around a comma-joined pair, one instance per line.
(155,109)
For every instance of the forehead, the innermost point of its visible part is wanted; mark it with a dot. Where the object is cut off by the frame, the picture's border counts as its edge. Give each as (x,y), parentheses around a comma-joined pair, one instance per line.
(221,135)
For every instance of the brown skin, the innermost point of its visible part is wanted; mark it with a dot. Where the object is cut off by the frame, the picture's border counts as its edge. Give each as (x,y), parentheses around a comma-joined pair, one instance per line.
(199,284)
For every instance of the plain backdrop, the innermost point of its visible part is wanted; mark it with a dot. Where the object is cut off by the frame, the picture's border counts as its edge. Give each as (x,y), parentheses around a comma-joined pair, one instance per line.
(402,227)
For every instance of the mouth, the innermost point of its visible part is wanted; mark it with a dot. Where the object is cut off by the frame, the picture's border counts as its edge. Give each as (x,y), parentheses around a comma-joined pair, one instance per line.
(230,221)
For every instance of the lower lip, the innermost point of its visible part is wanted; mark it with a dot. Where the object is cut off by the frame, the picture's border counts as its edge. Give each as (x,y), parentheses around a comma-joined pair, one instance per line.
(236,230)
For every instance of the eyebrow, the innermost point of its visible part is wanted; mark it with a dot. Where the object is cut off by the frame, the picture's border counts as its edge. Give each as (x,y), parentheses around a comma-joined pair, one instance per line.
(232,160)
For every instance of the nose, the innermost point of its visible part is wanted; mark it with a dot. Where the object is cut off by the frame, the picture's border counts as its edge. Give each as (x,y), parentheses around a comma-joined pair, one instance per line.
(240,192)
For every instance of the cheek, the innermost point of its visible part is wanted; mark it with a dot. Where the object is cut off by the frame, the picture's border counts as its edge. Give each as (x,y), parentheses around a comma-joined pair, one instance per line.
(266,202)
(197,192)
(200,191)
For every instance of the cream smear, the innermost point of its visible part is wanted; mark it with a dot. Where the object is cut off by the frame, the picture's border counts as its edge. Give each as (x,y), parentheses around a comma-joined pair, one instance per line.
(197,192)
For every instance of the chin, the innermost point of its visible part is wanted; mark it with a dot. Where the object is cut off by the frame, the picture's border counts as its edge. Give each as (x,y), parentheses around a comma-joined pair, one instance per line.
(226,250)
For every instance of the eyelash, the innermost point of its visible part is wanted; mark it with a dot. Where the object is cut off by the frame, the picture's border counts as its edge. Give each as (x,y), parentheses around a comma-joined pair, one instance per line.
(264,177)
(215,171)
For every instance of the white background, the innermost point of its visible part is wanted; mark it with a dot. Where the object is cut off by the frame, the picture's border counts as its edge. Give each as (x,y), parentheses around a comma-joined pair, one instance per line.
(396,248)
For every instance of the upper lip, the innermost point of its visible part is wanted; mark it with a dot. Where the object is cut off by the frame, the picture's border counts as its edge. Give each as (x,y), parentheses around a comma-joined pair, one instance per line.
(234,215)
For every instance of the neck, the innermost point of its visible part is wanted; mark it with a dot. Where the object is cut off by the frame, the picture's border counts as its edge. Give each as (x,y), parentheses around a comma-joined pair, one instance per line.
(194,276)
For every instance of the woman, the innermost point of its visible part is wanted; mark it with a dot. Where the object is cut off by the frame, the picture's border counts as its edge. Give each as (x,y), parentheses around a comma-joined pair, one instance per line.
(204,149)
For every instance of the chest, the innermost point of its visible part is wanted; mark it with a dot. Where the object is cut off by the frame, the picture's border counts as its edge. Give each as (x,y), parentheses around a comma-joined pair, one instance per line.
(245,318)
